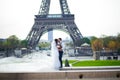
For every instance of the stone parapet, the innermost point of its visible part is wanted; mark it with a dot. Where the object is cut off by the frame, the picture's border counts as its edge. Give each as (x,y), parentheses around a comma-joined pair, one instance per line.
(62,75)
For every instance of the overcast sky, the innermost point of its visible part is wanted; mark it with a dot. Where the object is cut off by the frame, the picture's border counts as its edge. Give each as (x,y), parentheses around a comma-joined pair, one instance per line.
(92,17)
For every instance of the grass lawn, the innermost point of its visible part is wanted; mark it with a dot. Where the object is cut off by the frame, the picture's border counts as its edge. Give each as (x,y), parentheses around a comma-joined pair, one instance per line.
(76,63)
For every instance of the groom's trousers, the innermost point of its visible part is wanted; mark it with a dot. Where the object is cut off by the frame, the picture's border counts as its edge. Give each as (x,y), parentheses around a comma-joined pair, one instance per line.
(60,58)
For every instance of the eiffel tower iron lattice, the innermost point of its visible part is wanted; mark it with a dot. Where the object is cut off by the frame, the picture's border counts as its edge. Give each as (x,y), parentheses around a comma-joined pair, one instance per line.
(45,22)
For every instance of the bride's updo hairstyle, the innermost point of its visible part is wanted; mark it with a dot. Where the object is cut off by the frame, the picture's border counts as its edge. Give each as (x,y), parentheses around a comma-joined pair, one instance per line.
(56,41)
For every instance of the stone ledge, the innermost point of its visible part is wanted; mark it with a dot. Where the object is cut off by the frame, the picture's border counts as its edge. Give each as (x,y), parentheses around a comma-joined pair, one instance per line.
(60,75)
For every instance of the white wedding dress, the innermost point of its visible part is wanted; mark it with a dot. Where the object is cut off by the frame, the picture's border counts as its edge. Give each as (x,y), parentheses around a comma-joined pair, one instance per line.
(55,55)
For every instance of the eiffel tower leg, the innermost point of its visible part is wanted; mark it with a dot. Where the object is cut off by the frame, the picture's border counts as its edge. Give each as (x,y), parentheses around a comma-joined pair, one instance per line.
(64,7)
(34,36)
(74,33)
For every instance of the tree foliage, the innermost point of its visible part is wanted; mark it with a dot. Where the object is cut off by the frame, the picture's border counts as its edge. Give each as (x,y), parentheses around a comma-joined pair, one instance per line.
(44,45)
(13,42)
(106,42)
(86,40)
(97,45)
(93,38)
(112,45)
(23,43)
(70,44)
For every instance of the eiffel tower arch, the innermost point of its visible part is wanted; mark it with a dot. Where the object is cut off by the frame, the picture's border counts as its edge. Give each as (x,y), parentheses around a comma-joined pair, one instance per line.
(45,22)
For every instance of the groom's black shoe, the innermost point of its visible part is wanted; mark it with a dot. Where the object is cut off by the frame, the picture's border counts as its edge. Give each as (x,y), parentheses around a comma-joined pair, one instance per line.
(60,68)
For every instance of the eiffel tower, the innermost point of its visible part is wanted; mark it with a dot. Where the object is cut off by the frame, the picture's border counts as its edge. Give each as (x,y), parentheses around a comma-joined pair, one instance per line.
(45,22)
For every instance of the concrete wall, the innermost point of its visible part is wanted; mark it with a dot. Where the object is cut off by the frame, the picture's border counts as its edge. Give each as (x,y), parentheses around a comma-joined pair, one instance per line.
(61,75)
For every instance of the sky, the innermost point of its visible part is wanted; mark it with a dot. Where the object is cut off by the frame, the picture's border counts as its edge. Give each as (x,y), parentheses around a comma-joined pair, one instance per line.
(92,17)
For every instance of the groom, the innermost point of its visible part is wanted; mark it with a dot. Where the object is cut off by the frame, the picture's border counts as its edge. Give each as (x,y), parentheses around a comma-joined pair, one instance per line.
(60,51)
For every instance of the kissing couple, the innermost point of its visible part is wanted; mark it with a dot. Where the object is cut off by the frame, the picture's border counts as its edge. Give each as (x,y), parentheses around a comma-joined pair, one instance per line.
(57,53)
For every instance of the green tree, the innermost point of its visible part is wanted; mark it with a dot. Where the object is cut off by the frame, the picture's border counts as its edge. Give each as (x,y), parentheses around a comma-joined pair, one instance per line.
(44,45)
(23,43)
(70,44)
(106,41)
(86,40)
(12,42)
(118,37)
(118,43)
(93,38)
(97,45)
(1,46)
(112,45)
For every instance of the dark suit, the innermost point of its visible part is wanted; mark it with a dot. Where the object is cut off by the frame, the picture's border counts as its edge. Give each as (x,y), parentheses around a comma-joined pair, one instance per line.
(60,58)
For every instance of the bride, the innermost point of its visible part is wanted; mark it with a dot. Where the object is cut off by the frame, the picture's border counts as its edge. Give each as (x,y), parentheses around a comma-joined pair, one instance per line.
(55,54)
